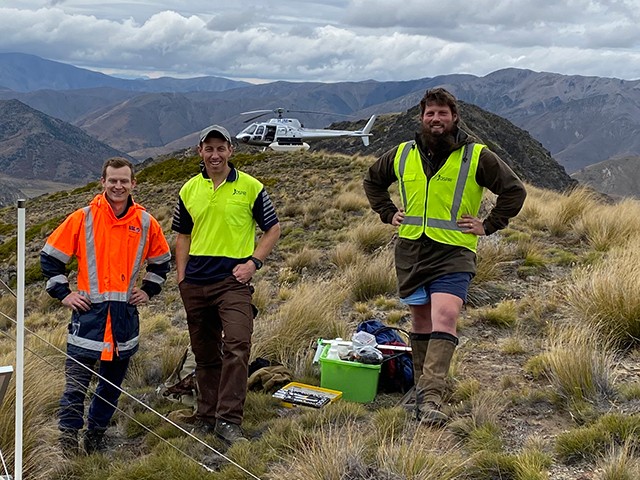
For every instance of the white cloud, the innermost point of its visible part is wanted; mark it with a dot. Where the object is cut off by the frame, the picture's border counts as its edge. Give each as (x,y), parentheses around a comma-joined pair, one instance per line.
(333,40)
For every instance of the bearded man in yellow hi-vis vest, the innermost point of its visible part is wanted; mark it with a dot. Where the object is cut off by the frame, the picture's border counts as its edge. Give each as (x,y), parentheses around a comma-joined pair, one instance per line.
(441,177)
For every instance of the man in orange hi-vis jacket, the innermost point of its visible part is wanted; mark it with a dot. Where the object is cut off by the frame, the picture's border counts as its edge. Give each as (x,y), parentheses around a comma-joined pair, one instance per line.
(111,239)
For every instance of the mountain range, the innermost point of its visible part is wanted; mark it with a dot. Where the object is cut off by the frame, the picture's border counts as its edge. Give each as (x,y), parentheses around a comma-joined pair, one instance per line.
(144,118)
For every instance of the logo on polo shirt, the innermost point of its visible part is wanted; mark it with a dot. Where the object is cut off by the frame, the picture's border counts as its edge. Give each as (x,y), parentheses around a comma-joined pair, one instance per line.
(239,192)
(133,228)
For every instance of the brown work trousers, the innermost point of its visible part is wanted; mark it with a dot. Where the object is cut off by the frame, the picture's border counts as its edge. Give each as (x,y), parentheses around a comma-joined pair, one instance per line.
(221,360)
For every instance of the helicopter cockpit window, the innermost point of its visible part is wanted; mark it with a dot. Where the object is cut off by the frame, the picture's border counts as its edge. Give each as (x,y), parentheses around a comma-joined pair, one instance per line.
(260,130)
(251,128)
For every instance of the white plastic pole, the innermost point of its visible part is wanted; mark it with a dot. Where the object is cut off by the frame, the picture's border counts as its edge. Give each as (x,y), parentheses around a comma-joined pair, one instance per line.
(17,475)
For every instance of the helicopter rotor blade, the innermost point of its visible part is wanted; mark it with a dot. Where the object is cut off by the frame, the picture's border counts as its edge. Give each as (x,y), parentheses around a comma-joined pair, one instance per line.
(255,111)
(321,113)
(255,116)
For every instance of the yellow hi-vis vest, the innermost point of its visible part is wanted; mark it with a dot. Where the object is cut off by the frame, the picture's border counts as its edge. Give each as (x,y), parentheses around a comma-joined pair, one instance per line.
(223,223)
(433,206)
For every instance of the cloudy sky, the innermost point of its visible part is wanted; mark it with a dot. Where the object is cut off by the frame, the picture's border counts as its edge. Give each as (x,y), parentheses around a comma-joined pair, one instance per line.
(327,40)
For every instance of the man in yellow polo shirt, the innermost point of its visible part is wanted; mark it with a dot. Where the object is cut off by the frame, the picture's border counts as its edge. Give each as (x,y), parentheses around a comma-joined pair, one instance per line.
(216,257)
(441,177)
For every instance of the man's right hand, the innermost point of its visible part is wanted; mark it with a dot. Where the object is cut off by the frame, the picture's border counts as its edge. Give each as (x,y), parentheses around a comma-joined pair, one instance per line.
(76,302)
(398,217)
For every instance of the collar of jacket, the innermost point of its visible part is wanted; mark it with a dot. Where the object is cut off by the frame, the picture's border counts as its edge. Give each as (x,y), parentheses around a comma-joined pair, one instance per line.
(233,173)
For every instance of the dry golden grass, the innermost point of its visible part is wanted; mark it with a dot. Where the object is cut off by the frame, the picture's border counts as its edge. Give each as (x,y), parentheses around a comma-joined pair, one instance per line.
(306,258)
(491,259)
(580,363)
(428,454)
(351,201)
(311,312)
(555,212)
(345,254)
(334,454)
(605,295)
(42,386)
(619,463)
(371,235)
(372,277)
(609,226)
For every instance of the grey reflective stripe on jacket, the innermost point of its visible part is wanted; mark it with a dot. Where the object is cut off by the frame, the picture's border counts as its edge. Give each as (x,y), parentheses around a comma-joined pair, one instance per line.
(408,220)
(457,199)
(92,262)
(100,346)
(58,279)
(463,173)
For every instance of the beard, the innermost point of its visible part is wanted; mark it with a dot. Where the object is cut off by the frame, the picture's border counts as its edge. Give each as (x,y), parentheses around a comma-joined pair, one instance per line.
(438,142)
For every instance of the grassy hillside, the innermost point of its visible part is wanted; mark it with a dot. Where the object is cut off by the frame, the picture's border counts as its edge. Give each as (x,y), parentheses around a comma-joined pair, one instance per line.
(543,385)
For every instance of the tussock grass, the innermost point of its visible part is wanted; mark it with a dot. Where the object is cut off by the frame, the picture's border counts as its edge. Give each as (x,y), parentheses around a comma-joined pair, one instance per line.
(595,440)
(373,277)
(606,295)
(311,312)
(152,322)
(554,212)
(610,226)
(336,454)
(619,463)
(351,202)
(371,235)
(345,254)
(263,295)
(430,454)
(478,421)
(306,258)
(42,387)
(513,346)
(580,367)
(504,314)
(630,391)
(389,424)
(8,307)
(492,255)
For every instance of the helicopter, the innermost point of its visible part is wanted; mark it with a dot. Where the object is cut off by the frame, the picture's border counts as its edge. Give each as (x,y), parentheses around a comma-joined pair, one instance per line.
(288,134)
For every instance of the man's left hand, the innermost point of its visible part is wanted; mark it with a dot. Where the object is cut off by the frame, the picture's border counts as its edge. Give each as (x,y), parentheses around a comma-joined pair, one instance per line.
(244,271)
(470,224)
(138,297)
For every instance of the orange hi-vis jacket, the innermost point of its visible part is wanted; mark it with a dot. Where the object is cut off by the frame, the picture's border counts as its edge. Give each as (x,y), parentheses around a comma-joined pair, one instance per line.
(110,252)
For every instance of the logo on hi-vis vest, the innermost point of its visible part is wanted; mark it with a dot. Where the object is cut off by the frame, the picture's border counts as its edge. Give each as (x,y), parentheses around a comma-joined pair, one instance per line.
(239,192)
(133,228)
(440,178)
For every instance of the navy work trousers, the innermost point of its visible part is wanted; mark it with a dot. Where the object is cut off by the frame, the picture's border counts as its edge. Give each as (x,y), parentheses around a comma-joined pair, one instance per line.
(105,400)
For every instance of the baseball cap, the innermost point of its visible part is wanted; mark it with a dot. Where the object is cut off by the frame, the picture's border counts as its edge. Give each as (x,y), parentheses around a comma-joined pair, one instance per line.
(215,129)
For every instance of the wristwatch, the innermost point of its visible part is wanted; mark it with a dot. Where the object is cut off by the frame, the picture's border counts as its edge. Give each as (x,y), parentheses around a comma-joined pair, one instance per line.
(257,262)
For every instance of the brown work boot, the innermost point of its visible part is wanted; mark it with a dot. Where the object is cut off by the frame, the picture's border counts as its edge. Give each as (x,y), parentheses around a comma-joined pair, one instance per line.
(229,432)
(432,384)
(419,344)
(431,415)
(68,442)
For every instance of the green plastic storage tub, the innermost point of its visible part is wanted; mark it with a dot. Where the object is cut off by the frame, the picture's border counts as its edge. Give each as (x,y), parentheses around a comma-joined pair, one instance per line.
(358,382)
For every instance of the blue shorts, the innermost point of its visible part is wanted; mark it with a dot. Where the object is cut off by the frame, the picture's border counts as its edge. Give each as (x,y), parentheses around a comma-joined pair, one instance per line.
(453,283)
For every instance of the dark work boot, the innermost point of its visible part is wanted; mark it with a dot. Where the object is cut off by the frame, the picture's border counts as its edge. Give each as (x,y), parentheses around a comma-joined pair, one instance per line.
(229,432)
(431,385)
(94,441)
(68,442)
